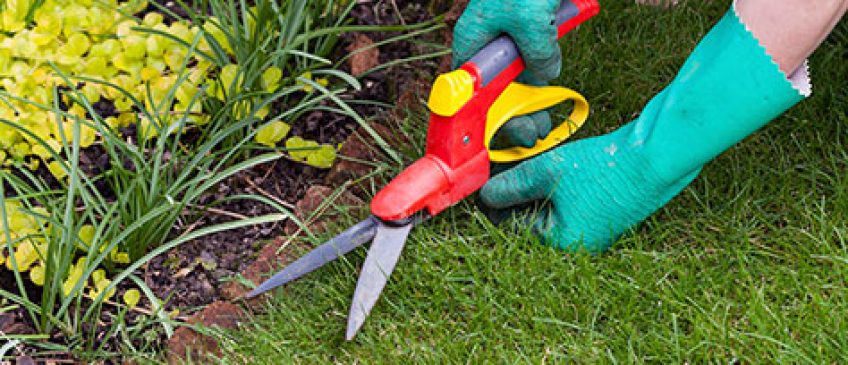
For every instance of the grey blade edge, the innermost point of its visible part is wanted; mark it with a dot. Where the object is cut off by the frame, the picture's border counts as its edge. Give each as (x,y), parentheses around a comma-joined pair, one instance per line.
(336,247)
(382,258)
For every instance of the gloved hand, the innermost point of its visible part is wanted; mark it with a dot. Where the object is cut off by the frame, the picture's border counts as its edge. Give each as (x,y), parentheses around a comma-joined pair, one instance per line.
(600,187)
(595,190)
(531,24)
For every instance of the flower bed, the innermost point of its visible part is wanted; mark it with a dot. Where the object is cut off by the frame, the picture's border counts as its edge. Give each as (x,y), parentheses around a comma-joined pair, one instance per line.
(127,130)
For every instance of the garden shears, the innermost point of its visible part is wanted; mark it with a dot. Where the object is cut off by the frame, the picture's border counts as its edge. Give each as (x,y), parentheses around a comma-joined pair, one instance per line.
(467,106)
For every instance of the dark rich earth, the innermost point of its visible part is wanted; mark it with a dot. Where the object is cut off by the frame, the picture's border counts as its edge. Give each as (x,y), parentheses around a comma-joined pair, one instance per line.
(232,251)
(192,275)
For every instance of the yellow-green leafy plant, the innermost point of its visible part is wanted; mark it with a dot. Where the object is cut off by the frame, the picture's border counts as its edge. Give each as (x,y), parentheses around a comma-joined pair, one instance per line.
(78,245)
(71,40)
(85,38)
(43,44)
(25,246)
(98,40)
(258,67)
(262,52)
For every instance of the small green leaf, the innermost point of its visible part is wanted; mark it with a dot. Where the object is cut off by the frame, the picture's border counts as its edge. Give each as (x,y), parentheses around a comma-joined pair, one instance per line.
(324,157)
(271,79)
(86,235)
(131,297)
(272,132)
(230,80)
(300,149)
(56,170)
(36,275)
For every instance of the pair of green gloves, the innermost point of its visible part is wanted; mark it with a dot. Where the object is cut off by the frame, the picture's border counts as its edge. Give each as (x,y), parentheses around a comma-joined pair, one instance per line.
(598,188)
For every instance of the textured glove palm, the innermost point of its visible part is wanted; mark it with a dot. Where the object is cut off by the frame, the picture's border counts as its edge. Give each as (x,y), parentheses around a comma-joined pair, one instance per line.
(531,25)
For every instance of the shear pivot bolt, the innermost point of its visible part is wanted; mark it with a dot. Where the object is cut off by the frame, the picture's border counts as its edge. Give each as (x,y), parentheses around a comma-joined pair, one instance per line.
(466,140)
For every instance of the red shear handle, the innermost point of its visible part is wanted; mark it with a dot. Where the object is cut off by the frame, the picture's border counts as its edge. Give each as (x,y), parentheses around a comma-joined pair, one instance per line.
(457,163)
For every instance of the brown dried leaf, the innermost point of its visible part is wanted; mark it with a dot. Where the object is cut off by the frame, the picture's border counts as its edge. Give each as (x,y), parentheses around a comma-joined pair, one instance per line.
(363,58)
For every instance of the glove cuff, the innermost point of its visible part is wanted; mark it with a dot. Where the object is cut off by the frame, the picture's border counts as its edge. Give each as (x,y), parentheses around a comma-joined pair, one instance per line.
(727,89)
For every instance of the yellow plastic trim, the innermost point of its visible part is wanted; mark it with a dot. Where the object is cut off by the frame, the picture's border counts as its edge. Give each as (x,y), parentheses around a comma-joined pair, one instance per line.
(451,92)
(519,99)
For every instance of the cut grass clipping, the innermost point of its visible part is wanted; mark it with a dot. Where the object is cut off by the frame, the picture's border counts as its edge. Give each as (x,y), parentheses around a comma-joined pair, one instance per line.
(748,264)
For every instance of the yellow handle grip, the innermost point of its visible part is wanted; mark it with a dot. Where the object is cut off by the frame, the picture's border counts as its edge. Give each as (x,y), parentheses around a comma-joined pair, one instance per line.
(519,99)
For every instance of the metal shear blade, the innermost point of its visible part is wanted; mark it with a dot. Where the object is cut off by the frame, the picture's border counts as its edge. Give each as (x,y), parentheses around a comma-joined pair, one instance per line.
(336,247)
(388,243)
(381,261)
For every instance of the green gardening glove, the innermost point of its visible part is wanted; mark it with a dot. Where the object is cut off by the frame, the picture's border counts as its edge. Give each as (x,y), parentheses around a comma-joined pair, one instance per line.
(531,24)
(598,188)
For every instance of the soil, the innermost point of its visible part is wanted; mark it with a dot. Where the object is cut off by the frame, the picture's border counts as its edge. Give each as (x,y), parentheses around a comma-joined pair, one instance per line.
(231,251)
(195,274)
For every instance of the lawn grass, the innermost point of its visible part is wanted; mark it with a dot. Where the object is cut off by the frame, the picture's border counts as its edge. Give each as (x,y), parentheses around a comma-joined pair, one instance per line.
(749,263)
